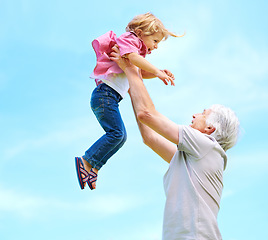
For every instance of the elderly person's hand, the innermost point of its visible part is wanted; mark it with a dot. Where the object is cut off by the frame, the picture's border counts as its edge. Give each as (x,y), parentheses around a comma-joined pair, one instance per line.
(122,62)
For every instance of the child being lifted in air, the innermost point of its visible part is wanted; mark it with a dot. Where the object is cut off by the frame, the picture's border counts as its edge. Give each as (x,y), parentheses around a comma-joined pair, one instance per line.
(143,34)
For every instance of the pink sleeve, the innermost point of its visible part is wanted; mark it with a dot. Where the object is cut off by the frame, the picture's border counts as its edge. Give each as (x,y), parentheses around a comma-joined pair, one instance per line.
(104,43)
(128,43)
(103,47)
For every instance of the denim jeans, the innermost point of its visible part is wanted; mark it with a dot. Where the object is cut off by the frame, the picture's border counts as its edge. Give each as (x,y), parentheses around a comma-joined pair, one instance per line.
(104,104)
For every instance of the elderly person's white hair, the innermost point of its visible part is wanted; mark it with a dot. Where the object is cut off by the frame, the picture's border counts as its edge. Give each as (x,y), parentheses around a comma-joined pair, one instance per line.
(226,125)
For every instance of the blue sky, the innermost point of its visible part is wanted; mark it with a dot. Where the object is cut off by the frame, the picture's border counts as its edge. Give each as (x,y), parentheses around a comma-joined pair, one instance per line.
(45,62)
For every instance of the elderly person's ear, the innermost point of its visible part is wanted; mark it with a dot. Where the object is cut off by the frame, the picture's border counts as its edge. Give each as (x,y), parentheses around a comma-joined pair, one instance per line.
(209,129)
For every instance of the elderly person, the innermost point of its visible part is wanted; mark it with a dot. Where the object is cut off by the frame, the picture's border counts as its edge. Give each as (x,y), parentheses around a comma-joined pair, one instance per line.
(196,155)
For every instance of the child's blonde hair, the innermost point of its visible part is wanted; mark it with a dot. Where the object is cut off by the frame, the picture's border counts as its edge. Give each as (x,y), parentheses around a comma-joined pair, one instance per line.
(149,24)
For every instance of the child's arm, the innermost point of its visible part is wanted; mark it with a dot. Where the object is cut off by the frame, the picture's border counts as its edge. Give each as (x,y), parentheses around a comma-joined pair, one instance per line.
(148,75)
(143,64)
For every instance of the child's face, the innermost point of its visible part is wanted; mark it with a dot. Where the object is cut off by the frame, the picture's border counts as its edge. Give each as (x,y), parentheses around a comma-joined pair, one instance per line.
(151,41)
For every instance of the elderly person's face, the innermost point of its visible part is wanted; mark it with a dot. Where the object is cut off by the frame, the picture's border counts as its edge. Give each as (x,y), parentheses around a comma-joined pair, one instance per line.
(199,122)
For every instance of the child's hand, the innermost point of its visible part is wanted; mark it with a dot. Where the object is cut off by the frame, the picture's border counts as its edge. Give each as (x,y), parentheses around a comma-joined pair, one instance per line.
(170,74)
(166,76)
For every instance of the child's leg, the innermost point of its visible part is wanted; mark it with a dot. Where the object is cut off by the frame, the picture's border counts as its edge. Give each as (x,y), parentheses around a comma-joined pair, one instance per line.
(104,103)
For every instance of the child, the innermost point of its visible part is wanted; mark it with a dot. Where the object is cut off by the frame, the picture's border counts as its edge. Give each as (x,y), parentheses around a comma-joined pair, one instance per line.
(142,36)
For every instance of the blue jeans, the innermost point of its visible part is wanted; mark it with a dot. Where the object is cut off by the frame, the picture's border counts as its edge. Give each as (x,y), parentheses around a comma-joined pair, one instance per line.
(104,104)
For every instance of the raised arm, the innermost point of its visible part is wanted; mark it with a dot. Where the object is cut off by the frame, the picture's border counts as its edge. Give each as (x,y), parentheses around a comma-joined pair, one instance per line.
(145,109)
(164,148)
(148,118)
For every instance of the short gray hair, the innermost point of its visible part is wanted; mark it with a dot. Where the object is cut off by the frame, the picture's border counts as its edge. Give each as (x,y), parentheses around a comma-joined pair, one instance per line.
(226,125)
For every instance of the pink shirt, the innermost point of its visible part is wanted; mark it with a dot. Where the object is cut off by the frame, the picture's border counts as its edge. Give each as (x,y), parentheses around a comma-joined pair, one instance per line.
(128,42)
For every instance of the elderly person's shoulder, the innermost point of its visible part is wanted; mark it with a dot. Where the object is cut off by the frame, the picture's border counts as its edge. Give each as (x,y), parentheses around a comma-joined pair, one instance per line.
(194,134)
(198,144)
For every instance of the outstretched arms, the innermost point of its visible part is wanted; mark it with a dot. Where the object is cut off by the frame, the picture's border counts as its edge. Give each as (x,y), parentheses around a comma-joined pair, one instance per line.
(161,146)
(143,64)
(158,132)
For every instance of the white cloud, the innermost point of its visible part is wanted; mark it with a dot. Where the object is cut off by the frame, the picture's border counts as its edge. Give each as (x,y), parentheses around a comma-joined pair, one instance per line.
(245,171)
(235,62)
(71,131)
(148,231)
(36,207)
(233,72)
(106,205)
(19,203)
(253,162)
